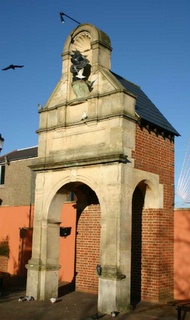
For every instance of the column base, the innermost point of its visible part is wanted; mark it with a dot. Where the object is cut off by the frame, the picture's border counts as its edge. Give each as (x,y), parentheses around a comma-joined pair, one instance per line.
(42,281)
(114,291)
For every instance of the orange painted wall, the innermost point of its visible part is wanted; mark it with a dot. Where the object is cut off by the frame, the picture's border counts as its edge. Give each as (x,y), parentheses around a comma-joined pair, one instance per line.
(67,244)
(11,220)
(182,254)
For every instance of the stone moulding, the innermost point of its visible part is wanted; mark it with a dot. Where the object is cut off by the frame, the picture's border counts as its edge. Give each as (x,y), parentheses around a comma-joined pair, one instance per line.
(42,267)
(112,273)
(43,164)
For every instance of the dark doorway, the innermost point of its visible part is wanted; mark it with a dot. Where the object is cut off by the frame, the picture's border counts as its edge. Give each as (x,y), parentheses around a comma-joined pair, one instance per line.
(136,245)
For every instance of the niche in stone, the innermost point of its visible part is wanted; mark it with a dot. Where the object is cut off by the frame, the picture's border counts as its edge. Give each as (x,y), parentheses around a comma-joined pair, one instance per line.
(80,69)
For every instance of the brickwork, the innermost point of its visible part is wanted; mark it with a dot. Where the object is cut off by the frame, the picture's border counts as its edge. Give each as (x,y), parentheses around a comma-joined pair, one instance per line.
(88,249)
(3,263)
(155,154)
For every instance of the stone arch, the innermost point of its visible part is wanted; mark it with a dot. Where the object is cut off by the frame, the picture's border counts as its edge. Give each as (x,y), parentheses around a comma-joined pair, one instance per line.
(89,40)
(96,35)
(154,190)
(87,216)
(56,195)
(147,200)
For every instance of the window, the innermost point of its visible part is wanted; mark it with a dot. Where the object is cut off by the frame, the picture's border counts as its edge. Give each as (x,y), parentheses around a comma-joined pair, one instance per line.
(2,174)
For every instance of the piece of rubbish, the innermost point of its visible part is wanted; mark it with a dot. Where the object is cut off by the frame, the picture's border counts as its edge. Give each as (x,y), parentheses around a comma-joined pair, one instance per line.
(53,300)
(29,298)
(26,298)
(21,299)
(114,314)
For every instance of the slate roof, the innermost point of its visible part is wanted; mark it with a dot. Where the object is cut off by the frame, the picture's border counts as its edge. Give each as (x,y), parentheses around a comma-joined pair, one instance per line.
(145,108)
(20,154)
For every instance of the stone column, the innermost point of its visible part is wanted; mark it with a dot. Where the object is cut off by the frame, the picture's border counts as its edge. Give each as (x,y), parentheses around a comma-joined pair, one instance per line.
(42,280)
(114,282)
(43,268)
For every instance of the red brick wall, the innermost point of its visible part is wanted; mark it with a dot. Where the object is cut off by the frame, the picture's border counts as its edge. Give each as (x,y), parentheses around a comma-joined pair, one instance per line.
(88,249)
(156,154)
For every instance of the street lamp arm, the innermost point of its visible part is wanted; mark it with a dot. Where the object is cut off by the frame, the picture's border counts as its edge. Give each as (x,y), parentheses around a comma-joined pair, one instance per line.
(62,14)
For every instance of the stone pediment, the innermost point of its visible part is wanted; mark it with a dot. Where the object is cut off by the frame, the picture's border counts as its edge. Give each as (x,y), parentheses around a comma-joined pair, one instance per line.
(103,83)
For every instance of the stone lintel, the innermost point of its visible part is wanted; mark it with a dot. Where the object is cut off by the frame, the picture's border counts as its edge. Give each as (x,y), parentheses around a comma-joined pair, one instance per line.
(46,164)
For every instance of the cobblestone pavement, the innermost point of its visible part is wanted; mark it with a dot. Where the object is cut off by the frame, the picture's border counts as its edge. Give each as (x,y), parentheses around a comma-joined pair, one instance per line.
(74,306)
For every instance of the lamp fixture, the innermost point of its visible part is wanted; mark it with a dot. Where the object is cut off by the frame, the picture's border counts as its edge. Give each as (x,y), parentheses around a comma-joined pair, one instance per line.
(1,142)
(99,269)
(62,14)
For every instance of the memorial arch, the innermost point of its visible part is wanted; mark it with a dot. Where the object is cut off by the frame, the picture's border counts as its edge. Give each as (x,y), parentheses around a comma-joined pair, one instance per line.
(90,145)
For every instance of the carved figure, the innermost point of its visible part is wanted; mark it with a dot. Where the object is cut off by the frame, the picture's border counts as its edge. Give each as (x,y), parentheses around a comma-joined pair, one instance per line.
(79,63)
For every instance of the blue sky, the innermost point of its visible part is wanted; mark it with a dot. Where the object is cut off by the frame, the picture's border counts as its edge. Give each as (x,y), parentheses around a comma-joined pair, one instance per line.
(151,47)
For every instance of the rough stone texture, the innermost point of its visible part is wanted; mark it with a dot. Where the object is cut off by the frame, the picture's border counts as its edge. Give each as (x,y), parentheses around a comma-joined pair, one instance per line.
(17,190)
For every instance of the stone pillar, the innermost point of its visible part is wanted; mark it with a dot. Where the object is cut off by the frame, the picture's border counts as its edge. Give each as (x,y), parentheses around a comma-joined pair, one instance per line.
(114,282)
(42,280)
(43,268)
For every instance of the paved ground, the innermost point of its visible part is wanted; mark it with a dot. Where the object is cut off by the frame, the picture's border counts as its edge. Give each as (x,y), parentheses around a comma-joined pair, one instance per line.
(73,306)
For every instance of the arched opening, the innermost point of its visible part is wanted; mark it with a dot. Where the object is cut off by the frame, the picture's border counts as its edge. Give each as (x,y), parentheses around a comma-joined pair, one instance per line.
(136,242)
(79,241)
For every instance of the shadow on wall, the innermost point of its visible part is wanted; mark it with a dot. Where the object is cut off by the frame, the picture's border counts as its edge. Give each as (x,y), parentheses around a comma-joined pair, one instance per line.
(182,254)
(4,253)
(25,250)
(151,244)
(19,238)
(24,254)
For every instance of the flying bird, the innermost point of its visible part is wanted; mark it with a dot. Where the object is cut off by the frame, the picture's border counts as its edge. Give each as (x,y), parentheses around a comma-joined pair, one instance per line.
(12,66)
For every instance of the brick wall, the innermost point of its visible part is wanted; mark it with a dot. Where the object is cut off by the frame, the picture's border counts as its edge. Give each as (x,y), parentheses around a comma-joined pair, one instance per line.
(88,249)
(154,153)
(4,263)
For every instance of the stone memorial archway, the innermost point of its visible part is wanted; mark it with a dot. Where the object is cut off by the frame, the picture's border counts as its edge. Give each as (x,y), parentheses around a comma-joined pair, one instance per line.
(87,135)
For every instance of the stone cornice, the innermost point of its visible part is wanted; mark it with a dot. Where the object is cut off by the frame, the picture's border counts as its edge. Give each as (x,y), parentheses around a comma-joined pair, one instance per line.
(88,121)
(47,164)
(92,96)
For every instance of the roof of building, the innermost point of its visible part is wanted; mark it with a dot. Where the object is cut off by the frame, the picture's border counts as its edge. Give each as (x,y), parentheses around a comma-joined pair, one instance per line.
(145,108)
(20,154)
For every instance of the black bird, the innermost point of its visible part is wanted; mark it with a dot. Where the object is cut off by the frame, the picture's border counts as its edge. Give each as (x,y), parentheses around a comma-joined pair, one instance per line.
(12,66)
